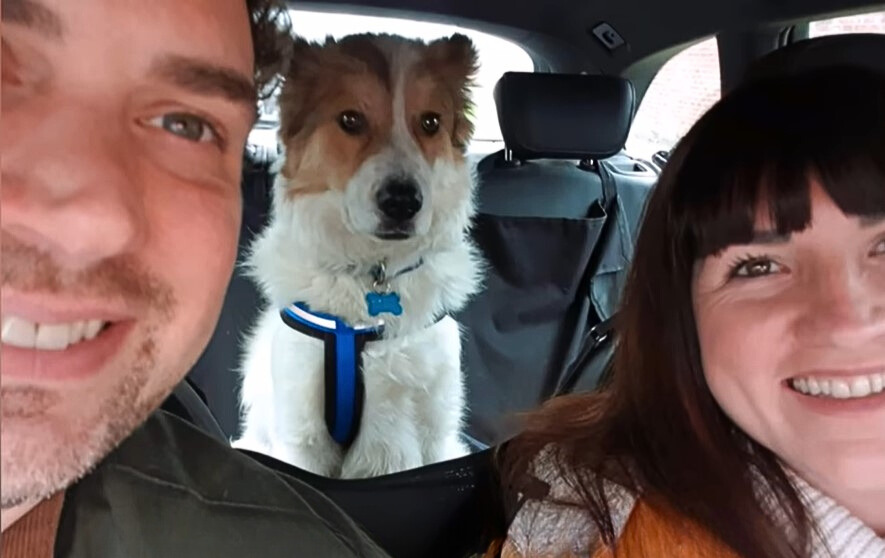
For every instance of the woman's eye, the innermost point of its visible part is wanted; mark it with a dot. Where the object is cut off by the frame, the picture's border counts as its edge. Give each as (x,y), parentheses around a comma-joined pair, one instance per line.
(755,267)
(879,249)
(187,126)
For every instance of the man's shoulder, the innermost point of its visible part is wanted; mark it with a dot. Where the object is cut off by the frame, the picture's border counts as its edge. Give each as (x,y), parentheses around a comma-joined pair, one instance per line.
(169,452)
(174,490)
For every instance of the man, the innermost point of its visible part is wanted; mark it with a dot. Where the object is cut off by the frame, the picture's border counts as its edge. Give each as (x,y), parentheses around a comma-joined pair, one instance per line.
(123,129)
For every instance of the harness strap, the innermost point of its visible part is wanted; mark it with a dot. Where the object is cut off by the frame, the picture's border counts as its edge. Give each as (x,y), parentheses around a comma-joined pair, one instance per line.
(344,388)
(343,367)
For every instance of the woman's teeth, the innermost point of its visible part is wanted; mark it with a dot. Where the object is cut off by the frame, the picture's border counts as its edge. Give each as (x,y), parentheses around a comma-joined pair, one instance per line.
(854,387)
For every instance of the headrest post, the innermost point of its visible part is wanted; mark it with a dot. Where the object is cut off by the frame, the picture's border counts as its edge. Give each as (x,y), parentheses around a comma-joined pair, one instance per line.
(589,165)
(508,160)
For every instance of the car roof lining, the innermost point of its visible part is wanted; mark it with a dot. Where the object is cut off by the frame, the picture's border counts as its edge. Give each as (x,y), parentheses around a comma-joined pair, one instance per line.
(556,32)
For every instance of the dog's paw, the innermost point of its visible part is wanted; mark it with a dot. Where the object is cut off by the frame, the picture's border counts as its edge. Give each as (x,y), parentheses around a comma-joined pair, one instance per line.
(382,461)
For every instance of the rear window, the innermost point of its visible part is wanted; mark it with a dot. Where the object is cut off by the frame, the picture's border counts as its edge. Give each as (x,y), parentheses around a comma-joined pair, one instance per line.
(496,56)
(689,84)
(681,92)
(873,22)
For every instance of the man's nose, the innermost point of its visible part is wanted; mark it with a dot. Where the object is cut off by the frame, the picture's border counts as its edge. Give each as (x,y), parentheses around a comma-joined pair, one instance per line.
(71,188)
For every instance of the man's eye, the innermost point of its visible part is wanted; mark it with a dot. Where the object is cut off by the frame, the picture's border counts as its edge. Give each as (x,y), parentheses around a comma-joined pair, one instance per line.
(187,126)
(748,268)
(879,248)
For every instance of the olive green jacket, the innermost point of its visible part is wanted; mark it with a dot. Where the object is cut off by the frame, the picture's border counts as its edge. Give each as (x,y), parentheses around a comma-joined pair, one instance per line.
(170,490)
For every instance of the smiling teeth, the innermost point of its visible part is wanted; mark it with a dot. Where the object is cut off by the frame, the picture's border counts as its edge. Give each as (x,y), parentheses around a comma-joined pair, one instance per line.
(841,388)
(18,332)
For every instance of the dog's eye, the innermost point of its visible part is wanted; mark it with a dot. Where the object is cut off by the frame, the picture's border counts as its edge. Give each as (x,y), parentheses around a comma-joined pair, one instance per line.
(352,122)
(430,123)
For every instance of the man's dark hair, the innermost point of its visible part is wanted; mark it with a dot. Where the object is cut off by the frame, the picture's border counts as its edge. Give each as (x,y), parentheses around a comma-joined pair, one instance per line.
(271,41)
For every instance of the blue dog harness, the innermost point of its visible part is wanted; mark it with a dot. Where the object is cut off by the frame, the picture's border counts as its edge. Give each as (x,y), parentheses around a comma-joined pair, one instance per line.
(344,344)
(343,355)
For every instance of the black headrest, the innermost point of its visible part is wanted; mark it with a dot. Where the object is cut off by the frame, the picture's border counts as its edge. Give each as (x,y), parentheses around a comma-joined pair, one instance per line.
(564,116)
(862,49)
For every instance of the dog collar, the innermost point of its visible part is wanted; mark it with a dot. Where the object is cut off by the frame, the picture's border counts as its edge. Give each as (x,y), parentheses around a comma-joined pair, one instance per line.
(382,299)
(343,355)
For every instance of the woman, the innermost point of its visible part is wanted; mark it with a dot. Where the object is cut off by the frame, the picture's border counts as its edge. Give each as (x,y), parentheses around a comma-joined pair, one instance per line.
(746,415)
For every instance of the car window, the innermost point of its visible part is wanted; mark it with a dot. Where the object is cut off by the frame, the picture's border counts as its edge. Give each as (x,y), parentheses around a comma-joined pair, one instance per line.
(862,23)
(681,92)
(496,56)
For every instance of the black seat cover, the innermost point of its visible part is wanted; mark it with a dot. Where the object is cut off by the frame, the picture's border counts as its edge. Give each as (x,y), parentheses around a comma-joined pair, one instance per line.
(539,224)
(443,510)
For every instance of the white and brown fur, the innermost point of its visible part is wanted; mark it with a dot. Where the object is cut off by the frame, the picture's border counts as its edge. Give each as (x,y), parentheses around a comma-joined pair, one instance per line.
(325,236)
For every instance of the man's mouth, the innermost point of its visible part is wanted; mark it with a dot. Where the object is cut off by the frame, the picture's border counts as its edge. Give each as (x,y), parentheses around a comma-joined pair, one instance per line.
(25,334)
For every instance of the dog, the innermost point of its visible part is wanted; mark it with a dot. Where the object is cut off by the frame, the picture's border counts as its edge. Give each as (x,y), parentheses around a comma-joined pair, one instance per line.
(368,233)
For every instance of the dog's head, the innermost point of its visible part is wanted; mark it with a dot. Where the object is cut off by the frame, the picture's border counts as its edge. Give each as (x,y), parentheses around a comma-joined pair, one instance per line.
(375,128)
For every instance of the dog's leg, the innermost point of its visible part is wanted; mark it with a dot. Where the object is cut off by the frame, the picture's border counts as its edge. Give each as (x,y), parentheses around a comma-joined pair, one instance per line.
(298,434)
(256,389)
(388,440)
(442,406)
(443,418)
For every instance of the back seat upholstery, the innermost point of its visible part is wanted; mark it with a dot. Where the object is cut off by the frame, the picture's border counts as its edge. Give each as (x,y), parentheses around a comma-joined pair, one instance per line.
(538,222)
(215,375)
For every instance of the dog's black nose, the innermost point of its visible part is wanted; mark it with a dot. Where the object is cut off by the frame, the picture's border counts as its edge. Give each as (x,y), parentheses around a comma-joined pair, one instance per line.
(400,199)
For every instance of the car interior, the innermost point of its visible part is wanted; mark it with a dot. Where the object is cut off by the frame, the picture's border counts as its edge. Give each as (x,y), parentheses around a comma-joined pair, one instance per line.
(561,192)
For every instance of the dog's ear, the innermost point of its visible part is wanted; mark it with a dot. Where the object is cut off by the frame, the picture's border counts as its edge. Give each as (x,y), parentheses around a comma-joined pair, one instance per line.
(458,54)
(455,61)
(294,101)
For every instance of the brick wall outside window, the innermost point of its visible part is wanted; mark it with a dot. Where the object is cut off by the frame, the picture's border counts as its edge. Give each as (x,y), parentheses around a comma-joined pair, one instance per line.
(688,85)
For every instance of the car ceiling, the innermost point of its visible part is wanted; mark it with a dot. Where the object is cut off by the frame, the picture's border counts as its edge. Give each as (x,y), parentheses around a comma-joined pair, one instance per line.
(557,32)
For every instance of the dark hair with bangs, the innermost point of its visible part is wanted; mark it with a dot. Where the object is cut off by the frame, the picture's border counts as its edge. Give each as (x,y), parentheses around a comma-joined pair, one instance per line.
(656,428)
(812,126)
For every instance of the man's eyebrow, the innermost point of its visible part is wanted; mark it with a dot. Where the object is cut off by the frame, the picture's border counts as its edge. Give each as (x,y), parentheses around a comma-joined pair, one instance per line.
(33,15)
(206,78)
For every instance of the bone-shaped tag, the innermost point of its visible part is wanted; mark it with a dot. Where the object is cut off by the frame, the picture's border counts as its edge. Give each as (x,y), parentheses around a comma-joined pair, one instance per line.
(383,303)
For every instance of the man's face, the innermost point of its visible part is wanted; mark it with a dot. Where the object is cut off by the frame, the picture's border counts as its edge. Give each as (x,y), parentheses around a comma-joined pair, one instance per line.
(123,129)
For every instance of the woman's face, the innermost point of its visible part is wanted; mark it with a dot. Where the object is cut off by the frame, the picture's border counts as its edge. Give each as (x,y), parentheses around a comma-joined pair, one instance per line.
(792,336)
